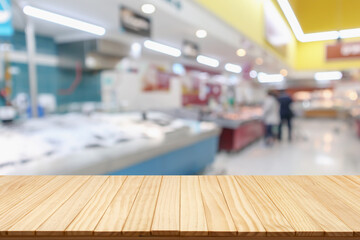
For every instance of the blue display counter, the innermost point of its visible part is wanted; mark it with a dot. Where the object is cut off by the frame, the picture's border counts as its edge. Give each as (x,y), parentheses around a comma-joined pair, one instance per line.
(184,161)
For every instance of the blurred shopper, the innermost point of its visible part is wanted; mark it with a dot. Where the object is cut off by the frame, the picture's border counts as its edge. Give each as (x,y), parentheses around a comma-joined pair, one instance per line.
(271,116)
(286,113)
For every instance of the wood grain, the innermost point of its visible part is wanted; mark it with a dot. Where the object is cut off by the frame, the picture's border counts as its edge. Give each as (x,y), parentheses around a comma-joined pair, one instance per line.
(218,217)
(345,210)
(29,223)
(272,219)
(192,213)
(10,184)
(115,216)
(355,179)
(175,207)
(166,220)
(86,221)
(302,223)
(14,196)
(64,215)
(139,221)
(17,212)
(347,185)
(332,225)
(246,221)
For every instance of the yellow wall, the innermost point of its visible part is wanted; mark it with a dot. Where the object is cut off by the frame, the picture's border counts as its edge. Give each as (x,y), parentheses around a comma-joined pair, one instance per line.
(312,56)
(247,16)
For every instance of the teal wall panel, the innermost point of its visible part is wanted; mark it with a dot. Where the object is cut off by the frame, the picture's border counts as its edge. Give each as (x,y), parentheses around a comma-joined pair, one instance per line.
(51,79)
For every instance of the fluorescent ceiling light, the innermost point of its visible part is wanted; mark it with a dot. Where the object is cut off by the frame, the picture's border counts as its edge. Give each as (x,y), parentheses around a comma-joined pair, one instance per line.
(270,78)
(277,32)
(62,20)
(328,76)
(201,33)
(350,33)
(296,28)
(158,47)
(233,68)
(320,36)
(148,8)
(212,62)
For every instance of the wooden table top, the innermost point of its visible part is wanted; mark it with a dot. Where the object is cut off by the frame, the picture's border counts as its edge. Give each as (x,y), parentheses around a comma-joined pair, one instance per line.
(173,207)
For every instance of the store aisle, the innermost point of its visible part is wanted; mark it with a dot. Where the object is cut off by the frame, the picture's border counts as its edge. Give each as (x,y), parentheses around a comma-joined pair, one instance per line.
(319,147)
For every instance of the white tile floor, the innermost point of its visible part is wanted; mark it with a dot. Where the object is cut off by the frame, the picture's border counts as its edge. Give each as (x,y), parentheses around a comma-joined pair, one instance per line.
(320,147)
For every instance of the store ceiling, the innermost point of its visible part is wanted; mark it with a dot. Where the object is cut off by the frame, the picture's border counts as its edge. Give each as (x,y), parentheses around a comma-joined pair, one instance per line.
(168,27)
(326,15)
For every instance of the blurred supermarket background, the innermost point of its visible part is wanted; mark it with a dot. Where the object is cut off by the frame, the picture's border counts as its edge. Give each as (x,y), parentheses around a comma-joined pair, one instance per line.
(179,87)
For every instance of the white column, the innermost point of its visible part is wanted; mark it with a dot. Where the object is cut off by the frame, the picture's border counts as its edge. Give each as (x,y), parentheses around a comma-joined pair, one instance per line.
(31,52)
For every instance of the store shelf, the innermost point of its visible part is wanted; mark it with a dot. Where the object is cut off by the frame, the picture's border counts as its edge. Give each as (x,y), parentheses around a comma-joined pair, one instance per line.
(173,207)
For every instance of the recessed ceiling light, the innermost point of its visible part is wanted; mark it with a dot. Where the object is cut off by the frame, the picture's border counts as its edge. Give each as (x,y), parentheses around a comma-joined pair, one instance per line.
(284,72)
(259,61)
(253,74)
(148,8)
(201,33)
(241,52)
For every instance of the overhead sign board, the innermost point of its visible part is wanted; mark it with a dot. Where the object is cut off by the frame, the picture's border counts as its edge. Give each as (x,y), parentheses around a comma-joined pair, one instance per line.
(6,28)
(134,23)
(343,51)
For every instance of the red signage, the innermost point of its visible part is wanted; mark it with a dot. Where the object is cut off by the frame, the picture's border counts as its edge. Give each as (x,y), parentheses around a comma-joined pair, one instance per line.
(343,51)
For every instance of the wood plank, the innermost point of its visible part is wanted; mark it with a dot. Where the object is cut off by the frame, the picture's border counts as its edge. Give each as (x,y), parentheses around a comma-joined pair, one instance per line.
(347,185)
(64,215)
(167,215)
(27,225)
(347,211)
(246,221)
(302,223)
(205,207)
(272,219)
(13,215)
(192,213)
(86,221)
(141,215)
(13,197)
(355,179)
(186,238)
(332,225)
(115,216)
(9,184)
(218,217)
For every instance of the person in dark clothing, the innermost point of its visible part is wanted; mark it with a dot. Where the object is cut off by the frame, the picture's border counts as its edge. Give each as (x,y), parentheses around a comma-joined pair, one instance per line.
(286,113)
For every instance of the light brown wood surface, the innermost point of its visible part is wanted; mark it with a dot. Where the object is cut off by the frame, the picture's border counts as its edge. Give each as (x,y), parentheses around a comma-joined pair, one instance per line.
(192,213)
(180,207)
(217,213)
(273,220)
(166,220)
